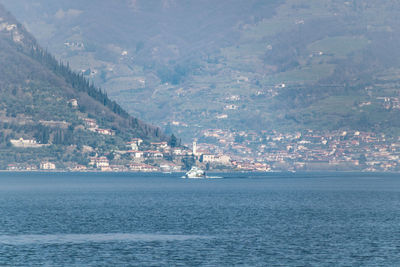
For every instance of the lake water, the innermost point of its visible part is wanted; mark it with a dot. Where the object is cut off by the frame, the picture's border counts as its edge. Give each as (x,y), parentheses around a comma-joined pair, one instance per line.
(66,219)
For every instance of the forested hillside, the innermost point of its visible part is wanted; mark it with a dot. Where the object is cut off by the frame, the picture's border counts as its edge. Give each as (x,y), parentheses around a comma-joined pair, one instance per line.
(42,99)
(255,65)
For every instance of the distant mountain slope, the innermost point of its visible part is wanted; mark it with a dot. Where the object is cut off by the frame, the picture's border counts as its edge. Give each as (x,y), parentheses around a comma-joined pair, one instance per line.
(43,100)
(255,64)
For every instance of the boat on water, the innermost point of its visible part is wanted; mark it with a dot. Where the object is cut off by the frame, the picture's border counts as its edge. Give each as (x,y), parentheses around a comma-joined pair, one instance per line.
(195,172)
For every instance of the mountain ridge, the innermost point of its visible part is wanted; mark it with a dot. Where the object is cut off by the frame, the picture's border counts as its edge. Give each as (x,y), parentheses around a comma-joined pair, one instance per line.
(286,64)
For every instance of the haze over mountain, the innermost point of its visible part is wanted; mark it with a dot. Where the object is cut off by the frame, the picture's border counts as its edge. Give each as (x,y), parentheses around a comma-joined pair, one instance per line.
(43,100)
(285,65)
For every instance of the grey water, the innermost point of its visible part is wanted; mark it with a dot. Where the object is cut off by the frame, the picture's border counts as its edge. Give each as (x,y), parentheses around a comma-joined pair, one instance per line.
(321,219)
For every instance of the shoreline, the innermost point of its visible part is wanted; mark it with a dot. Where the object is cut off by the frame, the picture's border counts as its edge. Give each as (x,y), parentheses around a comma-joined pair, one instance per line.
(216,172)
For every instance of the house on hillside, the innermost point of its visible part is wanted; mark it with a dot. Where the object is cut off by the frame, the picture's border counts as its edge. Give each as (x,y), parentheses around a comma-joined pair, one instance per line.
(25,143)
(134,144)
(159,145)
(73,103)
(154,155)
(136,155)
(90,123)
(105,131)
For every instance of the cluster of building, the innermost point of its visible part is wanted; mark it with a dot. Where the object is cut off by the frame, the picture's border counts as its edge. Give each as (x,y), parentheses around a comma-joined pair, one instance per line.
(308,150)
(142,157)
(225,150)
(91,125)
(158,156)
(43,166)
(262,152)
(388,102)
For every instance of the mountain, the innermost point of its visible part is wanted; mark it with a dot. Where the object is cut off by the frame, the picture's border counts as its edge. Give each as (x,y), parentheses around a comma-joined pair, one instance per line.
(254,65)
(45,105)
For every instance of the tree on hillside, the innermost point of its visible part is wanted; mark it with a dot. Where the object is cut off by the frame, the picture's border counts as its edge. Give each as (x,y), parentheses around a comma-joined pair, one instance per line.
(173,142)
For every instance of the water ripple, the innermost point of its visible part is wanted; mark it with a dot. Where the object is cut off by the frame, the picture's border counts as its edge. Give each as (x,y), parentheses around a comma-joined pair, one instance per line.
(90,238)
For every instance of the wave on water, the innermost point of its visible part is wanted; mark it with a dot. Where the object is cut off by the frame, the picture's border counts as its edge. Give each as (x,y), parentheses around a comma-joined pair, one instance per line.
(90,238)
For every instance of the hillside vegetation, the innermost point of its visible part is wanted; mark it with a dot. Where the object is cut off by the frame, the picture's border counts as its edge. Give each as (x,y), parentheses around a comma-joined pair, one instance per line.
(285,65)
(43,100)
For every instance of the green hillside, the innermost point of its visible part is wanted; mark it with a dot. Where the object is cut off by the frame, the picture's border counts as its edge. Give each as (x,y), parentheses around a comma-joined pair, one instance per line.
(43,100)
(284,65)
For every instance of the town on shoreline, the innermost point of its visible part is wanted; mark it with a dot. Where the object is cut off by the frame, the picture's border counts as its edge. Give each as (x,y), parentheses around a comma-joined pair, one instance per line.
(218,150)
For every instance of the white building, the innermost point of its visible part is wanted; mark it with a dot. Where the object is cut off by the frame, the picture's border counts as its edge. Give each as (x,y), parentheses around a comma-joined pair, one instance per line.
(159,145)
(135,143)
(154,154)
(132,146)
(25,143)
(73,103)
(137,154)
(141,167)
(99,162)
(220,159)
(105,131)
(170,167)
(102,162)
(90,123)
(47,166)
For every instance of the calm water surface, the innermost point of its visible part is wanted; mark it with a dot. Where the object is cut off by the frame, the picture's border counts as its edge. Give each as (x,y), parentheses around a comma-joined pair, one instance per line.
(154,220)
